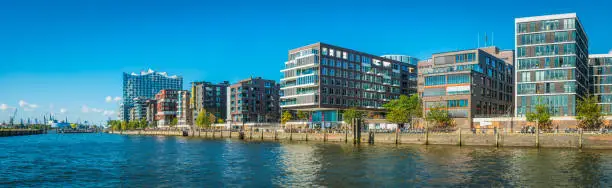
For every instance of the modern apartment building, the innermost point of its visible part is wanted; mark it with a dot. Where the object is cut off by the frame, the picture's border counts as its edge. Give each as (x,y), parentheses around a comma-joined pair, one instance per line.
(601,80)
(210,96)
(138,111)
(151,106)
(145,85)
(184,112)
(469,83)
(167,106)
(325,80)
(254,100)
(423,66)
(551,63)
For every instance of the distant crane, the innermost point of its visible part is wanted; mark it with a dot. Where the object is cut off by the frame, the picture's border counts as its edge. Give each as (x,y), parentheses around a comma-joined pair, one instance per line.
(12,118)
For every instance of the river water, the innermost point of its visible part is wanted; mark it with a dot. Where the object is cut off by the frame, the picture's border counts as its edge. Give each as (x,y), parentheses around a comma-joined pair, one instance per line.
(107,160)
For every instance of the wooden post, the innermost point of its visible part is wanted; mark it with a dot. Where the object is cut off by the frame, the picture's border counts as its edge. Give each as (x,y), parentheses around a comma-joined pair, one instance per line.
(262,135)
(426,135)
(580,139)
(307,135)
(496,137)
(291,132)
(275,134)
(251,134)
(325,136)
(397,134)
(459,137)
(345,135)
(537,141)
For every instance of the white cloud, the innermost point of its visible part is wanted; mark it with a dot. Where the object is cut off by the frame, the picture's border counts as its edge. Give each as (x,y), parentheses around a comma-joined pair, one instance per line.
(28,109)
(63,110)
(117,99)
(27,106)
(610,51)
(85,109)
(22,103)
(96,110)
(3,107)
(108,99)
(108,113)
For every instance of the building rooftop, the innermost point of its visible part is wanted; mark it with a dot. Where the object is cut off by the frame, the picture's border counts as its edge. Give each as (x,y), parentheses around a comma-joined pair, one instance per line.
(545,17)
(148,72)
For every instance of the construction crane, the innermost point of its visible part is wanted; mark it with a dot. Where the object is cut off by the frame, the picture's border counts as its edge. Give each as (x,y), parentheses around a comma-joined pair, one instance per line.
(12,118)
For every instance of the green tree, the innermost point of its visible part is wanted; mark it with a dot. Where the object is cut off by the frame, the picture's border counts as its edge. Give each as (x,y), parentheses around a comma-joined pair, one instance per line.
(302,115)
(541,116)
(286,117)
(124,125)
(404,109)
(439,116)
(174,122)
(202,119)
(351,114)
(589,113)
(211,119)
(143,123)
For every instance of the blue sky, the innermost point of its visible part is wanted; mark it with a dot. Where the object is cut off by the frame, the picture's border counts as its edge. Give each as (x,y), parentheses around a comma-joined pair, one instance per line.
(67,54)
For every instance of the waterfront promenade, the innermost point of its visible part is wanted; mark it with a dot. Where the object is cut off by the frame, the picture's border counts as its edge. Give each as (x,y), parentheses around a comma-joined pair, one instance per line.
(501,138)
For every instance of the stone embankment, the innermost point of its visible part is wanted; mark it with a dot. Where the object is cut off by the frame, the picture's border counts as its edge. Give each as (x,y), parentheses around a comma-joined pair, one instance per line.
(460,138)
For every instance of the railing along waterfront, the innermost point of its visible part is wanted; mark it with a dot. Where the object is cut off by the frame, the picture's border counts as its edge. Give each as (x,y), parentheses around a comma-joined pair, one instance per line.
(495,137)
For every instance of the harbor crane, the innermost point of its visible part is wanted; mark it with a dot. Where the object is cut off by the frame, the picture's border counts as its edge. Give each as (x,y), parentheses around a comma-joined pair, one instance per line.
(12,118)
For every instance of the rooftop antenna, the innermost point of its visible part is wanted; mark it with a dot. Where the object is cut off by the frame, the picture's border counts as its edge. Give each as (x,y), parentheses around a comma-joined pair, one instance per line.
(478,39)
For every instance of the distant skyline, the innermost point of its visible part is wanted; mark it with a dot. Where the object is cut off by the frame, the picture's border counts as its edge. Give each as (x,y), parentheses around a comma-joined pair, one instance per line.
(66,57)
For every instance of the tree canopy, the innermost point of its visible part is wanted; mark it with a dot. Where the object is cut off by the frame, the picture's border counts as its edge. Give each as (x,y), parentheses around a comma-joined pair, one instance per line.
(301,115)
(440,117)
(203,119)
(404,109)
(352,113)
(589,113)
(541,116)
(286,117)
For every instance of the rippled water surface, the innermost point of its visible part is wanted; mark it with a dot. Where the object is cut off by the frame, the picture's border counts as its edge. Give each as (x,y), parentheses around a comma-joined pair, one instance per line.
(106,160)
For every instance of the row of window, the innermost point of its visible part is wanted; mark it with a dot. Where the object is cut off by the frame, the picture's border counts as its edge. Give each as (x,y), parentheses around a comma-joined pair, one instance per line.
(546,25)
(549,62)
(546,75)
(447,79)
(557,104)
(540,38)
(548,50)
(462,58)
(532,88)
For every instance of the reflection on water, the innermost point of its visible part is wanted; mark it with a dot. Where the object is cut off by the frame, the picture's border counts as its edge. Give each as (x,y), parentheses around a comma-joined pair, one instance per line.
(104,160)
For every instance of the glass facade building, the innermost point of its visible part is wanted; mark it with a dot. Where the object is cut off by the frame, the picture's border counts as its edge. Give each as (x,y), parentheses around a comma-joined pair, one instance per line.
(210,97)
(145,85)
(551,63)
(601,80)
(324,80)
(468,83)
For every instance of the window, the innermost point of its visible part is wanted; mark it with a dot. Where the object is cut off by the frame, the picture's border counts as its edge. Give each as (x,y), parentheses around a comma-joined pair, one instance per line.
(458,78)
(435,80)
(457,103)
(522,28)
(569,49)
(324,51)
(525,76)
(561,36)
(569,23)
